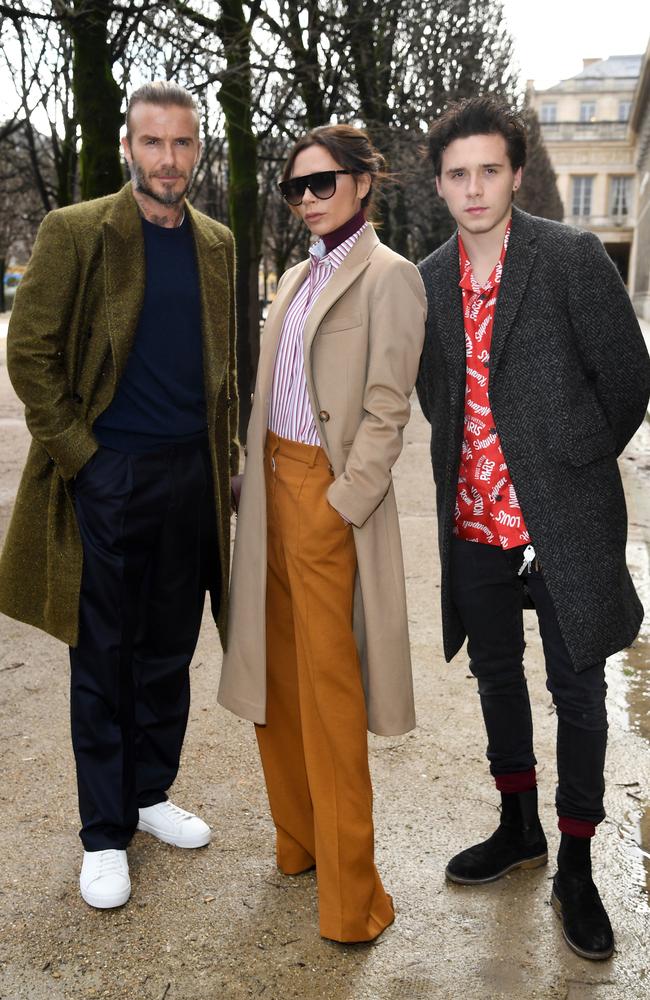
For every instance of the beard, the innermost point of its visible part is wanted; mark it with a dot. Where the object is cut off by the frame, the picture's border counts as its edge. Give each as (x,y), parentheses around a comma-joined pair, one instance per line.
(141,184)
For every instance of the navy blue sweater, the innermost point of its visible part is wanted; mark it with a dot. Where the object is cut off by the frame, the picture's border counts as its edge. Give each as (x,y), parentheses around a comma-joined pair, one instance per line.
(160,398)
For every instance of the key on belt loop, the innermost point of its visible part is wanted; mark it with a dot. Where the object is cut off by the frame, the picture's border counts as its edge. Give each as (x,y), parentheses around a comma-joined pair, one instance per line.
(529,558)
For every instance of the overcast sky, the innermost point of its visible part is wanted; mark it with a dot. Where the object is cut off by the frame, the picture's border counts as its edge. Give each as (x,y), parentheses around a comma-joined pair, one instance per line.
(552,36)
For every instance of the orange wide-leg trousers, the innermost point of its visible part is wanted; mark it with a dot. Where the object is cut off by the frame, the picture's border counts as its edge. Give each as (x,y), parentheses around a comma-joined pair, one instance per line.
(314,746)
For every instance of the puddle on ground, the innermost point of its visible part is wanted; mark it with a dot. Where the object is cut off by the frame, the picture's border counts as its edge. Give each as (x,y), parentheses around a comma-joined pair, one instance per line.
(628,678)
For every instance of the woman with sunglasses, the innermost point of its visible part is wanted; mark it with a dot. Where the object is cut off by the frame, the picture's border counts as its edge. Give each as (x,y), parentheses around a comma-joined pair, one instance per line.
(318,648)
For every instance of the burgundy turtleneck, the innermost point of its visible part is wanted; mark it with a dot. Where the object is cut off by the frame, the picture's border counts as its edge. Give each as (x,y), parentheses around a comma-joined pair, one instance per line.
(349,228)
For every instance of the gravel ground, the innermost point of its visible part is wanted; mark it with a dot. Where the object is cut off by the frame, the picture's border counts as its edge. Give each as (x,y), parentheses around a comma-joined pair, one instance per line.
(221,923)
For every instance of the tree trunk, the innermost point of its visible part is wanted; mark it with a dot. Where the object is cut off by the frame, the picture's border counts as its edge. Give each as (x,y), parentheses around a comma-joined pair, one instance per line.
(235,98)
(98,99)
(3,266)
(66,165)
(306,66)
(400,229)
(372,31)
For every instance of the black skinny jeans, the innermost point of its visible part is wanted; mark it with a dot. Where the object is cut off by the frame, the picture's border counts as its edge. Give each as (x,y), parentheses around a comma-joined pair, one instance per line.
(488,595)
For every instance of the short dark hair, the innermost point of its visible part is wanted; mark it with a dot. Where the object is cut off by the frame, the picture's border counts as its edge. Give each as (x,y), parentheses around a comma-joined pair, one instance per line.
(164,93)
(485,115)
(351,147)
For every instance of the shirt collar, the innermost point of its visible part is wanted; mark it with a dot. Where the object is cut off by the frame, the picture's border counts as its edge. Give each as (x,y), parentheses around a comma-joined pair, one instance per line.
(467,279)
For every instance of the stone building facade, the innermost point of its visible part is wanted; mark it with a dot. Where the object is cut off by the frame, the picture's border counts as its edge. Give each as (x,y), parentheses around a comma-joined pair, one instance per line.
(586,125)
(640,126)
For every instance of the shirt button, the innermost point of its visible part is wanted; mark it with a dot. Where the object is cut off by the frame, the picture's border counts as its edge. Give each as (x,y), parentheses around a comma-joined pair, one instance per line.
(323,416)
(492,430)
(486,364)
(499,497)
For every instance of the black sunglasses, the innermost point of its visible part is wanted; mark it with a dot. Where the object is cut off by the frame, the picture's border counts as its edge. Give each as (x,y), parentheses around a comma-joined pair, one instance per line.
(322,185)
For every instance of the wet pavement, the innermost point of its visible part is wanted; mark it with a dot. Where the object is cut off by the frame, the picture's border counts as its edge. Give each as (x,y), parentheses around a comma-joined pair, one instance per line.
(628,673)
(222,924)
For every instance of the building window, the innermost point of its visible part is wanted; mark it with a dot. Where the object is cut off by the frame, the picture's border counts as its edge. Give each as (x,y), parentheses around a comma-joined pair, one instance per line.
(581,201)
(620,196)
(549,112)
(624,108)
(587,111)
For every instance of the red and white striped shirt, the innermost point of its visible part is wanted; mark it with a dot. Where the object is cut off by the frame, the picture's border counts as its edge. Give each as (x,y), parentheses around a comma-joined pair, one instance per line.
(290,413)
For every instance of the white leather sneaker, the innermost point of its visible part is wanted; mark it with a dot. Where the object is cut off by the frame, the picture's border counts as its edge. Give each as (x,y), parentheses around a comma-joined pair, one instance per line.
(104,879)
(174,825)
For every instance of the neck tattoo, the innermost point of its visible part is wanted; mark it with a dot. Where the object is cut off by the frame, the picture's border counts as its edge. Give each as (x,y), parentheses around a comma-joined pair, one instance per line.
(166,221)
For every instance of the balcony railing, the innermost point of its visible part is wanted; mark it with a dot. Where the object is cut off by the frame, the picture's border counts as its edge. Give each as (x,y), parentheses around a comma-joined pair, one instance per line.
(601,221)
(584,131)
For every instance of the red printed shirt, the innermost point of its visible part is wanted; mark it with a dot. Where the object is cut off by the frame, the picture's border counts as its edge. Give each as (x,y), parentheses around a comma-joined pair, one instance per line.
(487,509)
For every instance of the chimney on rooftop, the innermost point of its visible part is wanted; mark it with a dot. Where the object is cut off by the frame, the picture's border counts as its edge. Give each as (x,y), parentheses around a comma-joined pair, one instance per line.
(589,62)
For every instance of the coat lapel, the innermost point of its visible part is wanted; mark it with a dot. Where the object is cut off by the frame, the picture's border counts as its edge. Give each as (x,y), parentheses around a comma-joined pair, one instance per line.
(349,270)
(125,282)
(352,265)
(520,257)
(448,301)
(215,303)
(125,274)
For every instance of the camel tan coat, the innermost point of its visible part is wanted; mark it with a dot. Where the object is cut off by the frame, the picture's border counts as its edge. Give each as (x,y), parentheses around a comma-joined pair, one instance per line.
(362,345)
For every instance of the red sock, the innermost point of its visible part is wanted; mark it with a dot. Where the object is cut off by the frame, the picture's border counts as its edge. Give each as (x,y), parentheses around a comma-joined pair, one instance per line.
(576,827)
(519,781)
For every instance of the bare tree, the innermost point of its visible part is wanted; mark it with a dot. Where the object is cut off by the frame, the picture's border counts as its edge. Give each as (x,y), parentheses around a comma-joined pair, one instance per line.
(20,206)
(98,98)
(263,73)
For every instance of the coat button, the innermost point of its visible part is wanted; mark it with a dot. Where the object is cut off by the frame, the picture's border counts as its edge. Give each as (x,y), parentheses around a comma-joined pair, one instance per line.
(323,416)
(252,397)
(76,398)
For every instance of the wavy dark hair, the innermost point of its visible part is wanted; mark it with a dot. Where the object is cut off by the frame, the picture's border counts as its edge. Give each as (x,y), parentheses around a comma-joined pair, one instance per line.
(352,149)
(485,115)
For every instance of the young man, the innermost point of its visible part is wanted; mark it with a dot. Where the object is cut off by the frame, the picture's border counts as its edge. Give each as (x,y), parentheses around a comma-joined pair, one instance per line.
(534,377)
(122,347)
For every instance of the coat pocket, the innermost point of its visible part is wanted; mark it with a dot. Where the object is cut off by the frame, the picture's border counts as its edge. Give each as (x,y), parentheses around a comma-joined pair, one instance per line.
(586,448)
(339,323)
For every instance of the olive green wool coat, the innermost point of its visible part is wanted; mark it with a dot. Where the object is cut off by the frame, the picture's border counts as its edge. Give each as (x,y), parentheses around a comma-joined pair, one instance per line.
(72,327)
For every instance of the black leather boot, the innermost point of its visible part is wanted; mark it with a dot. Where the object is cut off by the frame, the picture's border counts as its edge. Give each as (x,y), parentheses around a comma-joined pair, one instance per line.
(576,900)
(518,842)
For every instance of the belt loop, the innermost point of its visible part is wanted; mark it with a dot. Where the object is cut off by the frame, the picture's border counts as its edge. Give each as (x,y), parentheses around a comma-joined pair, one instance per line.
(274,450)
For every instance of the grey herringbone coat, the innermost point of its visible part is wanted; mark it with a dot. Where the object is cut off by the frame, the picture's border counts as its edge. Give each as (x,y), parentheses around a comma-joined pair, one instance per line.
(569,385)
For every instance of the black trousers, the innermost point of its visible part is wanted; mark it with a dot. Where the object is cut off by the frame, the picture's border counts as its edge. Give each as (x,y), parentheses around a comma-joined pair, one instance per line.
(147,527)
(488,594)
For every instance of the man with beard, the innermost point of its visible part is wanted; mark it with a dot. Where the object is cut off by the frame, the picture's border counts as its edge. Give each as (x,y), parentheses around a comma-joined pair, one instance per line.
(122,347)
